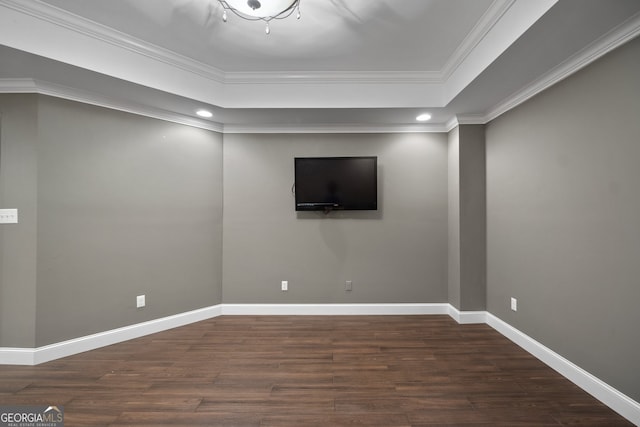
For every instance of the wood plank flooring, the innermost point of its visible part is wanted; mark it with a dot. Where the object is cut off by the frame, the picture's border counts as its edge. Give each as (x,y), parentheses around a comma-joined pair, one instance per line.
(309,371)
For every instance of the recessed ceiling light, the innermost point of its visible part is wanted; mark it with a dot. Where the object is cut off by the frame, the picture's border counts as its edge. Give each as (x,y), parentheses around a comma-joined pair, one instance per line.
(423,117)
(204,113)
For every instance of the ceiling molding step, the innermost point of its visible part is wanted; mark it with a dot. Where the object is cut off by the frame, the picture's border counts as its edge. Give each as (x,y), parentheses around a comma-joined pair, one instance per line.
(88,28)
(471,119)
(332,95)
(333,128)
(465,119)
(72,94)
(451,124)
(330,77)
(475,36)
(18,86)
(515,20)
(605,44)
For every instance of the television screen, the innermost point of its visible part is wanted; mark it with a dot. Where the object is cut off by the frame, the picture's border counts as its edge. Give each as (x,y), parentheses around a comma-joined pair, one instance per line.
(336,183)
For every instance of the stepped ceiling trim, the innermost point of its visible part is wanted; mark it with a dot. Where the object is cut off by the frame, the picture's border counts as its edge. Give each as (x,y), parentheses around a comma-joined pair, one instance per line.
(97,31)
(179,75)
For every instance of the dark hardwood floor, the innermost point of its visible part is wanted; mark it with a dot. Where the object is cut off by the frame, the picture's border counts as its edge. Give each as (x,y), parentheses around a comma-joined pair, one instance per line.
(309,371)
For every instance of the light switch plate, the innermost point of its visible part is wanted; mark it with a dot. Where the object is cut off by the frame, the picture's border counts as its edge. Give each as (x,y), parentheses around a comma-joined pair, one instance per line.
(8,216)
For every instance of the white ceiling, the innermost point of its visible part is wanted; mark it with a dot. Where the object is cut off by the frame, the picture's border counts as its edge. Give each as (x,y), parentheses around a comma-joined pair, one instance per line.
(331,36)
(346,65)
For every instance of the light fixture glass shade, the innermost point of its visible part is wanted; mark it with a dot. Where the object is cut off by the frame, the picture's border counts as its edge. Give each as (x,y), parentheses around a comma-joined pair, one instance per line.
(261,9)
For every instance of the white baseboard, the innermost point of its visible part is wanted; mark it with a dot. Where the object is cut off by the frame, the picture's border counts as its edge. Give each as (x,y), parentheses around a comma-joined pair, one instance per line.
(334,309)
(467,317)
(619,402)
(35,356)
(611,397)
(17,356)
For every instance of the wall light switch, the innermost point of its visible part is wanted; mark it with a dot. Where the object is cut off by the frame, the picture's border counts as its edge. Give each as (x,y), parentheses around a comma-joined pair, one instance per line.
(8,216)
(348,285)
(140,301)
(284,285)
(514,304)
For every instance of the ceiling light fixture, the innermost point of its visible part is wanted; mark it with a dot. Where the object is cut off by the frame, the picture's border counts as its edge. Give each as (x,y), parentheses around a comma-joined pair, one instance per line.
(254,10)
(423,117)
(204,113)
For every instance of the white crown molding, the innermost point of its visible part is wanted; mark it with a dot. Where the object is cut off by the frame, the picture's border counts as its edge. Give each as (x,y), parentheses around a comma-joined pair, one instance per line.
(451,124)
(465,119)
(334,77)
(18,86)
(475,36)
(336,128)
(86,27)
(471,119)
(65,92)
(603,45)
(515,19)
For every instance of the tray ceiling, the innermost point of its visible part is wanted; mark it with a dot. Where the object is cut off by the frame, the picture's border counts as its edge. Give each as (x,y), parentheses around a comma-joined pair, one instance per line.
(354,65)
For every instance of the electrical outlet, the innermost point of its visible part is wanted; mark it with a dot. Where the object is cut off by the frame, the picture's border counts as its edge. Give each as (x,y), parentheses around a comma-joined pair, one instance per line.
(348,285)
(284,285)
(514,304)
(140,301)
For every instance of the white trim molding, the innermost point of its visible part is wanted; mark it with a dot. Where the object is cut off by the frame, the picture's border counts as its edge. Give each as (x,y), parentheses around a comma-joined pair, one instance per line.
(91,98)
(27,85)
(337,128)
(35,356)
(608,395)
(467,317)
(335,309)
(605,44)
(619,402)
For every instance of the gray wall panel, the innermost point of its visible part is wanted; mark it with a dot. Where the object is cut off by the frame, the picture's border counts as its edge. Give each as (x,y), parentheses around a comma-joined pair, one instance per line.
(112,205)
(453,259)
(18,190)
(397,254)
(563,211)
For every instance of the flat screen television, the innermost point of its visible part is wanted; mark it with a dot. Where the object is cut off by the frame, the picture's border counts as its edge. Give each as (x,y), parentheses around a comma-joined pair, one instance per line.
(336,183)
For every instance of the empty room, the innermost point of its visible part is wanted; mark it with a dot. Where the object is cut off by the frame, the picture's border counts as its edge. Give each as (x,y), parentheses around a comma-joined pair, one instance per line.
(319,212)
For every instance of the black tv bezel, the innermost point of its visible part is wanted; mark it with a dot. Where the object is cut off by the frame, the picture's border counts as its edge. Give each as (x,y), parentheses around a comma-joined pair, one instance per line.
(327,207)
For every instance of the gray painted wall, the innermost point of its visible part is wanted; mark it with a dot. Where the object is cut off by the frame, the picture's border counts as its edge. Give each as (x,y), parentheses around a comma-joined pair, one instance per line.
(563,218)
(467,218)
(397,254)
(473,222)
(453,237)
(18,189)
(126,205)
